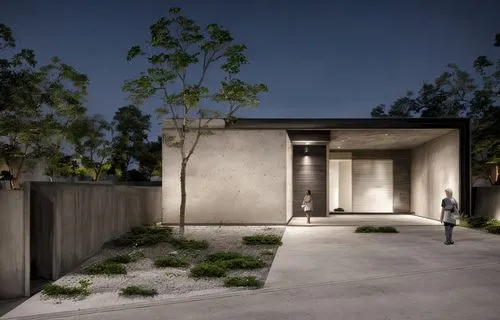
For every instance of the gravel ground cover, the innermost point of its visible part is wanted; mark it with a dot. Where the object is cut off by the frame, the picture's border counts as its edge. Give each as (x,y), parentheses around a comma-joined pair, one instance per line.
(170,282)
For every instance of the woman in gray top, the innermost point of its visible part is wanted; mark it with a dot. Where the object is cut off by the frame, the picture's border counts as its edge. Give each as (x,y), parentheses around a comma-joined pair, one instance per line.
(449,211)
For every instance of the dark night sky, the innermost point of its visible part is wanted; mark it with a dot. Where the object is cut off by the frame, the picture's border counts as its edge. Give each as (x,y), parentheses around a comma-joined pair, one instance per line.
(319,58)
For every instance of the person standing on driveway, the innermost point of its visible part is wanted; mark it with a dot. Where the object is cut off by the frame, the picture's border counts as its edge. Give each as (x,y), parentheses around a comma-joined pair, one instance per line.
(449,211)
(307,204)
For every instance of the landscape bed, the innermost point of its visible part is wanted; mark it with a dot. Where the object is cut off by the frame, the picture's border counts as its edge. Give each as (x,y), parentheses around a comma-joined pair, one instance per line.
(167,269)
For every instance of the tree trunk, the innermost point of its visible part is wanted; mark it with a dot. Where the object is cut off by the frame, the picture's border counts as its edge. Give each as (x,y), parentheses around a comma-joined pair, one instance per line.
(182,212)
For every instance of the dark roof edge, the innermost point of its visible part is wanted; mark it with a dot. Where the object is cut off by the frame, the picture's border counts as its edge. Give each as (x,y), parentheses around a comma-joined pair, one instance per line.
(348,123)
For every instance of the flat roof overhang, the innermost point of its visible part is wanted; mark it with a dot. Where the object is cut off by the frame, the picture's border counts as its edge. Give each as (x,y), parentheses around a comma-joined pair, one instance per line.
(350,123)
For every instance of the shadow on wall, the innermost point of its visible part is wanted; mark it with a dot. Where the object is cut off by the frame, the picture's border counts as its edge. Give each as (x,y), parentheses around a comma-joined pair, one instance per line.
(64,224)
(486,202)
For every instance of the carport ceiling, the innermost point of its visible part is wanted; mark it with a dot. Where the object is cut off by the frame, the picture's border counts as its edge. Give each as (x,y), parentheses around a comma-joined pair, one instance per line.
(354,139)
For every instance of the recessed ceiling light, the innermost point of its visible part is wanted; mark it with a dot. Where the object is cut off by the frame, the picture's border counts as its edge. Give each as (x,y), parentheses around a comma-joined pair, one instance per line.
(386,134)
(338,147)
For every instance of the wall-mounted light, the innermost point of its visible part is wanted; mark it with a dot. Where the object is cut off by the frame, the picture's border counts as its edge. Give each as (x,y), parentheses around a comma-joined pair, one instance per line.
(306,150)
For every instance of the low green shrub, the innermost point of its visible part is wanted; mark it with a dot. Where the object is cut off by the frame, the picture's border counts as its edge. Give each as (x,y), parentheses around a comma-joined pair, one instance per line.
(54,290)
(338,209)
(223,256)
(107,268)
(186,244)
(170,261)
(262,239)
(208,269)
(366,229)
(387,230)
(131,291)
(243,263)
(372,229)
(493,228)
(144,236)
(250,281)
(475,222)
(123,258)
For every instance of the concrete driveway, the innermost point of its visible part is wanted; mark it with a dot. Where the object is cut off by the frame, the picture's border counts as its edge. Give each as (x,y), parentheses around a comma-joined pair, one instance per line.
(332,273)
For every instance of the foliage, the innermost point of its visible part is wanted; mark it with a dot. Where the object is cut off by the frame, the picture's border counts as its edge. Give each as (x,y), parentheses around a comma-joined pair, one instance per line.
(89,136)
(262,239)
(62,165)
(122,258)
(234,260)
(208,269)
(138,291)
(176,48)
(455,93)
(338,209)
(372,229)
(107,268)
(37,105)
(173,262)
(222,256)
(249,281)
(144,237)
(188,244)
(131,129)
(494,228)
(474,222)
(150,159)
(54,290)
(267,253)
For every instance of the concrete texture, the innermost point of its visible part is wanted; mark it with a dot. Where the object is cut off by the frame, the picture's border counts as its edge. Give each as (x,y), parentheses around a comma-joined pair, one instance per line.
(289,179)
(84,217)
(435,166)
(365,219)
(234,176)
(486,201)
(383,139)
(14,244)
(333,273)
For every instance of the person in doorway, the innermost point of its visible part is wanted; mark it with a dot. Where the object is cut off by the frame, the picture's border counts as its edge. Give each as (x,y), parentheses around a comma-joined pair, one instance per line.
(307,204)
(449,212)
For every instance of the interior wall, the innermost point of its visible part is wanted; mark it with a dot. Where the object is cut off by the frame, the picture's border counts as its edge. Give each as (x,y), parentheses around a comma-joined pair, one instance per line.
(345,185)
(372,186)
(435,166)
(333,185)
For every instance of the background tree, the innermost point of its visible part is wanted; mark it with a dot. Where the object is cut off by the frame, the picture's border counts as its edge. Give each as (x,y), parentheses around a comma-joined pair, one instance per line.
(60,164)
(89,136)
(150,159)
(177,46)
(457,94)
(131,129)
(37,104)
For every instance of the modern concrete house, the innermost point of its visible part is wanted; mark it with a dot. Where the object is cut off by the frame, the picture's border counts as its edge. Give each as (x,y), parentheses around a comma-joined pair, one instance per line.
(256,171)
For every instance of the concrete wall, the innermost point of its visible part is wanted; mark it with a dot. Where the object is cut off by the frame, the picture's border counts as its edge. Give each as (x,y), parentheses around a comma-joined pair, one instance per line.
(289,178)
(234,176)
(486,202)
(435,166)
(14,244)
(80,218)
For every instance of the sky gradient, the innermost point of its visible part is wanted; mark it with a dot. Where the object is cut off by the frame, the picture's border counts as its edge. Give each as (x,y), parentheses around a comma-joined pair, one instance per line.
(331,59)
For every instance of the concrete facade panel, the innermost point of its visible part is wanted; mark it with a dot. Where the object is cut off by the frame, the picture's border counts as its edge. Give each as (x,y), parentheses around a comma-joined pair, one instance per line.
(233,176)
(435,166)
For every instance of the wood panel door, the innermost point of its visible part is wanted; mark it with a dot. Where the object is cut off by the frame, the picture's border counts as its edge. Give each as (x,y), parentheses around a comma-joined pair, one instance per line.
(310,173)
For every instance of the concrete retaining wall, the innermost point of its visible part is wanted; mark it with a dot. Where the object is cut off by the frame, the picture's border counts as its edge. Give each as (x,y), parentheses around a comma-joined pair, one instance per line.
(80,218)
(486,201)
(435,166)
(233,177)
(14,244)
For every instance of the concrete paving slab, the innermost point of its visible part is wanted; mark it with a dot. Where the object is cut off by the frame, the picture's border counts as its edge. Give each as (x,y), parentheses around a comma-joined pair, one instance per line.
(310,255)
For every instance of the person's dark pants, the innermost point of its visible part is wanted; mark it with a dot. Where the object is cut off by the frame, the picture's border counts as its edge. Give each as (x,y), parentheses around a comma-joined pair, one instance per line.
(448,231)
